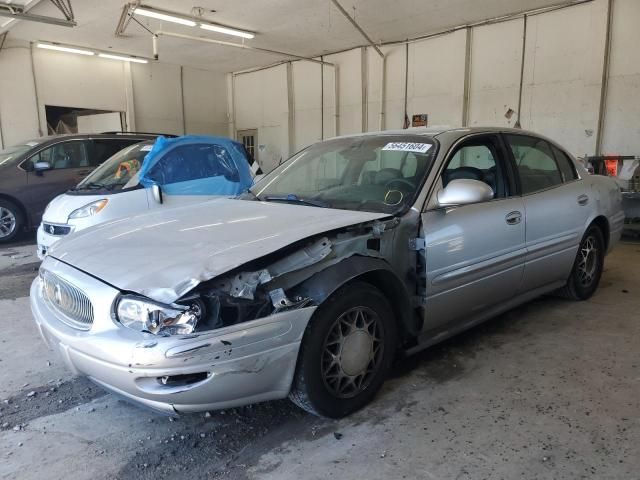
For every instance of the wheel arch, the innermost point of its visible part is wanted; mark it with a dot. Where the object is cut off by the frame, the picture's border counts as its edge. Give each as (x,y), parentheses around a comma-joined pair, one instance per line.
(603,224)
(374,271)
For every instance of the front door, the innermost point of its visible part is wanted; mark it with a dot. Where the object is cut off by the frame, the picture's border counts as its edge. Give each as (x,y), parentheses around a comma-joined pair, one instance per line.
(474,254)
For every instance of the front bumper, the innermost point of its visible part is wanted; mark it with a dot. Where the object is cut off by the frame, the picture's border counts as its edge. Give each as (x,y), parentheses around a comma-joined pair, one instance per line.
(233,366)
(45,241)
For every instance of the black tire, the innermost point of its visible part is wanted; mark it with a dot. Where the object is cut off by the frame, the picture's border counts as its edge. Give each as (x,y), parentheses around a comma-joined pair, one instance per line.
(315,384)
(10,214)
(587,268)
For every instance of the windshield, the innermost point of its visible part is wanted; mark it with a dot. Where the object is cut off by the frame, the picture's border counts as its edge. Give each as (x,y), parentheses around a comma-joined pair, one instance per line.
(370,173)
(119,172)
(12,153)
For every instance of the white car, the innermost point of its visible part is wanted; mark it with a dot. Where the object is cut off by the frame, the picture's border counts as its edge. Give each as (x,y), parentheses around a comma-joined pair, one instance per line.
(169,172)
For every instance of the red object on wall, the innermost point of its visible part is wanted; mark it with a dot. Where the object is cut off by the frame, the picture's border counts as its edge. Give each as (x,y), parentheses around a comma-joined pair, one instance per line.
(611,165)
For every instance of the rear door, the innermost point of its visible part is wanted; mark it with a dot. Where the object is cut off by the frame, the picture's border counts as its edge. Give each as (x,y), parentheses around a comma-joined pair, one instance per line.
(556,209)
(474,253)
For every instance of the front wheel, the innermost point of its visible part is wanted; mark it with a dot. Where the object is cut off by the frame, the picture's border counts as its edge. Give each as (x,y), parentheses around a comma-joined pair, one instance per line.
(587,267)
(11,221)
(346,352)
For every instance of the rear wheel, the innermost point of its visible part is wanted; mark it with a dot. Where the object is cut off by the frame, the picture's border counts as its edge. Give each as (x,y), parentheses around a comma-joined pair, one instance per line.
(587,268)
(346,352)
(11,221)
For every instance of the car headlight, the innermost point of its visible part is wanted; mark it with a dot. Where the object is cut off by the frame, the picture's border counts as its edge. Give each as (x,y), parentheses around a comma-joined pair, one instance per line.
(145,315)
(89,210)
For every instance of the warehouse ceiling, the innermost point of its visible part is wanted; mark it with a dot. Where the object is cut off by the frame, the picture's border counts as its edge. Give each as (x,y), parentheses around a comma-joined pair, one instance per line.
(302,27)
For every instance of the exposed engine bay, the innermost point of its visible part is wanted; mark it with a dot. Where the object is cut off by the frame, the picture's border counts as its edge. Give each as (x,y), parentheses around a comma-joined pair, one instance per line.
(267,285)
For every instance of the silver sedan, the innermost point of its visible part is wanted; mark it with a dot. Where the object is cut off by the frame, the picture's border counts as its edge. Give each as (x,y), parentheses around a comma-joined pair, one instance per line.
(356,249)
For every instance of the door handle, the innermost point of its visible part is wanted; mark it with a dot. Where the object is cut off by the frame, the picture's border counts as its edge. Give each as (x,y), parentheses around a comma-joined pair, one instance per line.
(583,199)
(84,173)
(513,218)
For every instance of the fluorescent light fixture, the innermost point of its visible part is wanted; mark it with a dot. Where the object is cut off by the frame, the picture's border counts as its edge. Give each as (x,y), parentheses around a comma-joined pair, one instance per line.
(51,46)
(227,30)
(123,58)
(163,16)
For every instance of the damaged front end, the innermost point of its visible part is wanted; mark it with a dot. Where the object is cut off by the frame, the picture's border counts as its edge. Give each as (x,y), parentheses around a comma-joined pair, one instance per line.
(232,340)
(258,289)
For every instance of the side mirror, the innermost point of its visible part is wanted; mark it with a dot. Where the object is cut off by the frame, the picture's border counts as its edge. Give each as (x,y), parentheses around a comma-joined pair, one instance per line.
(156,192)
(40,167)
(464,192)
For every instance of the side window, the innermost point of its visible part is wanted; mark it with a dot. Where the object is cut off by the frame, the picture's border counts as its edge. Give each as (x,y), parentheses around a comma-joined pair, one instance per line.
(535,163)
(567,168)
(105,148)
(477,159)
(72,154)
(194,162)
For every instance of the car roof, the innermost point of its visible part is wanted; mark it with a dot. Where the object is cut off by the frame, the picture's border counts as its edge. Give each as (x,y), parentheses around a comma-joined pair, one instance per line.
(78,136)
(436,130)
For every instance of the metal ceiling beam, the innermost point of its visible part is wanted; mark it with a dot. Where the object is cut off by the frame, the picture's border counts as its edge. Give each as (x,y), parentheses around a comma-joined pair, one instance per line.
(10,10)
(357,27)
(241,45)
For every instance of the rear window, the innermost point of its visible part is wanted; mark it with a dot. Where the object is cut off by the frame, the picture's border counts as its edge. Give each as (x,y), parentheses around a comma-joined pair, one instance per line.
(536,164)
(567,168)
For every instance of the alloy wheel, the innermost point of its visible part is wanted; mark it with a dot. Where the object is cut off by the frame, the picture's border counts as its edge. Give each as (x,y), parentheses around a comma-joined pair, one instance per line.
(588,261)
(7,222)
(352,352)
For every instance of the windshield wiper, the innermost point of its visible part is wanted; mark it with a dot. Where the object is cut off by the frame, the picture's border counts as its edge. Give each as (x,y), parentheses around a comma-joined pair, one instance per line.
(93,186)
(293,198)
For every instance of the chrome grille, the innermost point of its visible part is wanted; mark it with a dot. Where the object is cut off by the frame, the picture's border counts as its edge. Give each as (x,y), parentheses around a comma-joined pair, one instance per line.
(70,301)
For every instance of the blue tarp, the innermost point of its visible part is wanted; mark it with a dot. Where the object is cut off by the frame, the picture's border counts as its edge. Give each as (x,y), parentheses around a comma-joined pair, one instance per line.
(221,164)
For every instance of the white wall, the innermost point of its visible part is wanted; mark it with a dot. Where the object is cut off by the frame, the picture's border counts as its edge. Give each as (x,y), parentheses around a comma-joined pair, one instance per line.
(349,90)
(307,99)
(564,51)
(18,109)
(150,94)
(496,58)
(563,70)
(157,98)
(436,78)
(622,120)
(261,102)
(205,104)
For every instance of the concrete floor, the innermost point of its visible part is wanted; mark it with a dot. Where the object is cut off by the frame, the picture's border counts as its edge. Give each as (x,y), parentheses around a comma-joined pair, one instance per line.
(550,390)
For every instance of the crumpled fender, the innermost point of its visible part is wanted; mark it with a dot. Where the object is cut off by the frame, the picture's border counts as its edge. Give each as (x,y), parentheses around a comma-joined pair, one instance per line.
(377,271)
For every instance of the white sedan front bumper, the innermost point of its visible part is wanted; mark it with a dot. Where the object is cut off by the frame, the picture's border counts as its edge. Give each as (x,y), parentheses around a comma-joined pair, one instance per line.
(46,240)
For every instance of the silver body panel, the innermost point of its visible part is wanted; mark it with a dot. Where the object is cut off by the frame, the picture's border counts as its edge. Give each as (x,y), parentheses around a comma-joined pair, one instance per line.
(455,267)
(131,363)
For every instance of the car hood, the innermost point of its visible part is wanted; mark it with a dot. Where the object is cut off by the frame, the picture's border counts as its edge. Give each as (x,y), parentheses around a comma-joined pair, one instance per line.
(165,254)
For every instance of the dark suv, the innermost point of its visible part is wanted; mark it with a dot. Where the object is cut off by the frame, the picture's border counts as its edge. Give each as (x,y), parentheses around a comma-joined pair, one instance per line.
(33,173)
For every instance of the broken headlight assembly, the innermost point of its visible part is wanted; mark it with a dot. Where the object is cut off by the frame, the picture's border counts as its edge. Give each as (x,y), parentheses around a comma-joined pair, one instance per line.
(144,315)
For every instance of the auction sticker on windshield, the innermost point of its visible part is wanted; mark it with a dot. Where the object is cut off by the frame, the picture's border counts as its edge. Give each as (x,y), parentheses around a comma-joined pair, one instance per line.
(407,147)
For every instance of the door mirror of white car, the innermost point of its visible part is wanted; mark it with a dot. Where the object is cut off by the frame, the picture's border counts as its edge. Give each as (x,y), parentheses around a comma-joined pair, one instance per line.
(41,166)
(464,192)
(156,192)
